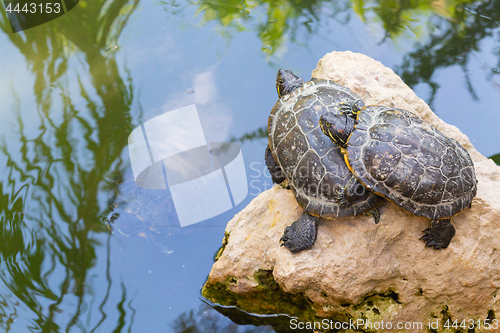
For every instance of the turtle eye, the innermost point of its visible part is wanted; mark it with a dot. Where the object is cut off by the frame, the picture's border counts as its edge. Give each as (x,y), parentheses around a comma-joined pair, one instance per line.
(280,80)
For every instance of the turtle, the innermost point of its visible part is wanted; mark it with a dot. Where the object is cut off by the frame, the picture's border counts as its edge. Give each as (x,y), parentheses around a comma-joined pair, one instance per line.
(135,211)
(299,153)
(403,158)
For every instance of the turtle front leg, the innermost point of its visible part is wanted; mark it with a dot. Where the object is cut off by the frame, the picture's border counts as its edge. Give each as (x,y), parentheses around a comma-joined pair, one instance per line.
(351,109)
(439,234)
(375,213)
(275,170)
(301,234)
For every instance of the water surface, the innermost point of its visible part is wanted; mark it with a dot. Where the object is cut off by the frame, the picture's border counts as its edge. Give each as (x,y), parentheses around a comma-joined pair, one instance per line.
(73,89)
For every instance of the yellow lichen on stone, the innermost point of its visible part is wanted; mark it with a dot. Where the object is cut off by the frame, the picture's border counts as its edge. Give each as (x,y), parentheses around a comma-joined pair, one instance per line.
(275,220)
(271,205)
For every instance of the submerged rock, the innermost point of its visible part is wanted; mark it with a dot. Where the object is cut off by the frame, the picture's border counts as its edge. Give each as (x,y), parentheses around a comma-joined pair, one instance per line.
(357,270)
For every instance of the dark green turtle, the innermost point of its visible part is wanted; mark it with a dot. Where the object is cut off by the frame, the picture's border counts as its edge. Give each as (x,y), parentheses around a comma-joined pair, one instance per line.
(313,166)
(401,157)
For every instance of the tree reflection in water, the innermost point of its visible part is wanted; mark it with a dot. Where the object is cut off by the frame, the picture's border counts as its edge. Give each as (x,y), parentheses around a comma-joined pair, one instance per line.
(454,42)
(445,33)
(51,196)
(206,319)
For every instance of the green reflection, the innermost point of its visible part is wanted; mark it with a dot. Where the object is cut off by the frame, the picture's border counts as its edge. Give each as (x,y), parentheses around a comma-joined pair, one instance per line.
(454,41)
(49,197)
(401,18)
(259,133)
(207,319)
(445,33)
(275,22)
(496,158)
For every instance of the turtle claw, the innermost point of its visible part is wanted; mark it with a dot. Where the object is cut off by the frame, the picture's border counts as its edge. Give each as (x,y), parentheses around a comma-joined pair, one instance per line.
(375,213)
(301,234)
(341,198)
(345,108)
(349,193)
(439,234)
(351,109)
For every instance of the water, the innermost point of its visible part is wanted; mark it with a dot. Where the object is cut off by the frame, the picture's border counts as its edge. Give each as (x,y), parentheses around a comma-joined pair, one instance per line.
(73,89)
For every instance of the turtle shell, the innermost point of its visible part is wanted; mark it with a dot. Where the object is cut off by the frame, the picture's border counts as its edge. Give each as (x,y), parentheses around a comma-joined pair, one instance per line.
(312,164)
(403,158)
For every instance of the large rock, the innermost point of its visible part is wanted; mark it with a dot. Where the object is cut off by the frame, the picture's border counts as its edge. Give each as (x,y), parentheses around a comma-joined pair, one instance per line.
(356,269)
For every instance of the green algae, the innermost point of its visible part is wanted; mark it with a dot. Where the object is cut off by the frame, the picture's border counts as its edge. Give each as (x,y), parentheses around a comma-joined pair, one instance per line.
(282,308)
(266,298)
(219,252)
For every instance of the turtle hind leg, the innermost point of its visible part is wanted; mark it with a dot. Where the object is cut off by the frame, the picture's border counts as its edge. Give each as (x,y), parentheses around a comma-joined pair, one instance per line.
(375,213)
(439,234)
(301,234)
(275,170)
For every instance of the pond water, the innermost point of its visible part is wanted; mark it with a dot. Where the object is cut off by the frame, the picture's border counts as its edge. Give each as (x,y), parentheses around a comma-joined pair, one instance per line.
(73,89)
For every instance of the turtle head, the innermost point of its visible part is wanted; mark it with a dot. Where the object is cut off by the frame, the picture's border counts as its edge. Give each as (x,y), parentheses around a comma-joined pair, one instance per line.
(337,127)
(286,82)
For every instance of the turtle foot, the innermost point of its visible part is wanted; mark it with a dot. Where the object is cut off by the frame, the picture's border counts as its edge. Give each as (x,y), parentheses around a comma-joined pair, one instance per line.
(439,234)
(301,234)
(351,109)
(375,213)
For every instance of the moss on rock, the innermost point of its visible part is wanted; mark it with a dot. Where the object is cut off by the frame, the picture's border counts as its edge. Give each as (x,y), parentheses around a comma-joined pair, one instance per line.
(266,298)
(221,249)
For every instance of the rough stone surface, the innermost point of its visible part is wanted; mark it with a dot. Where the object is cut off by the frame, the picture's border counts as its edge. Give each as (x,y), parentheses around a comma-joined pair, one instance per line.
(357,269)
